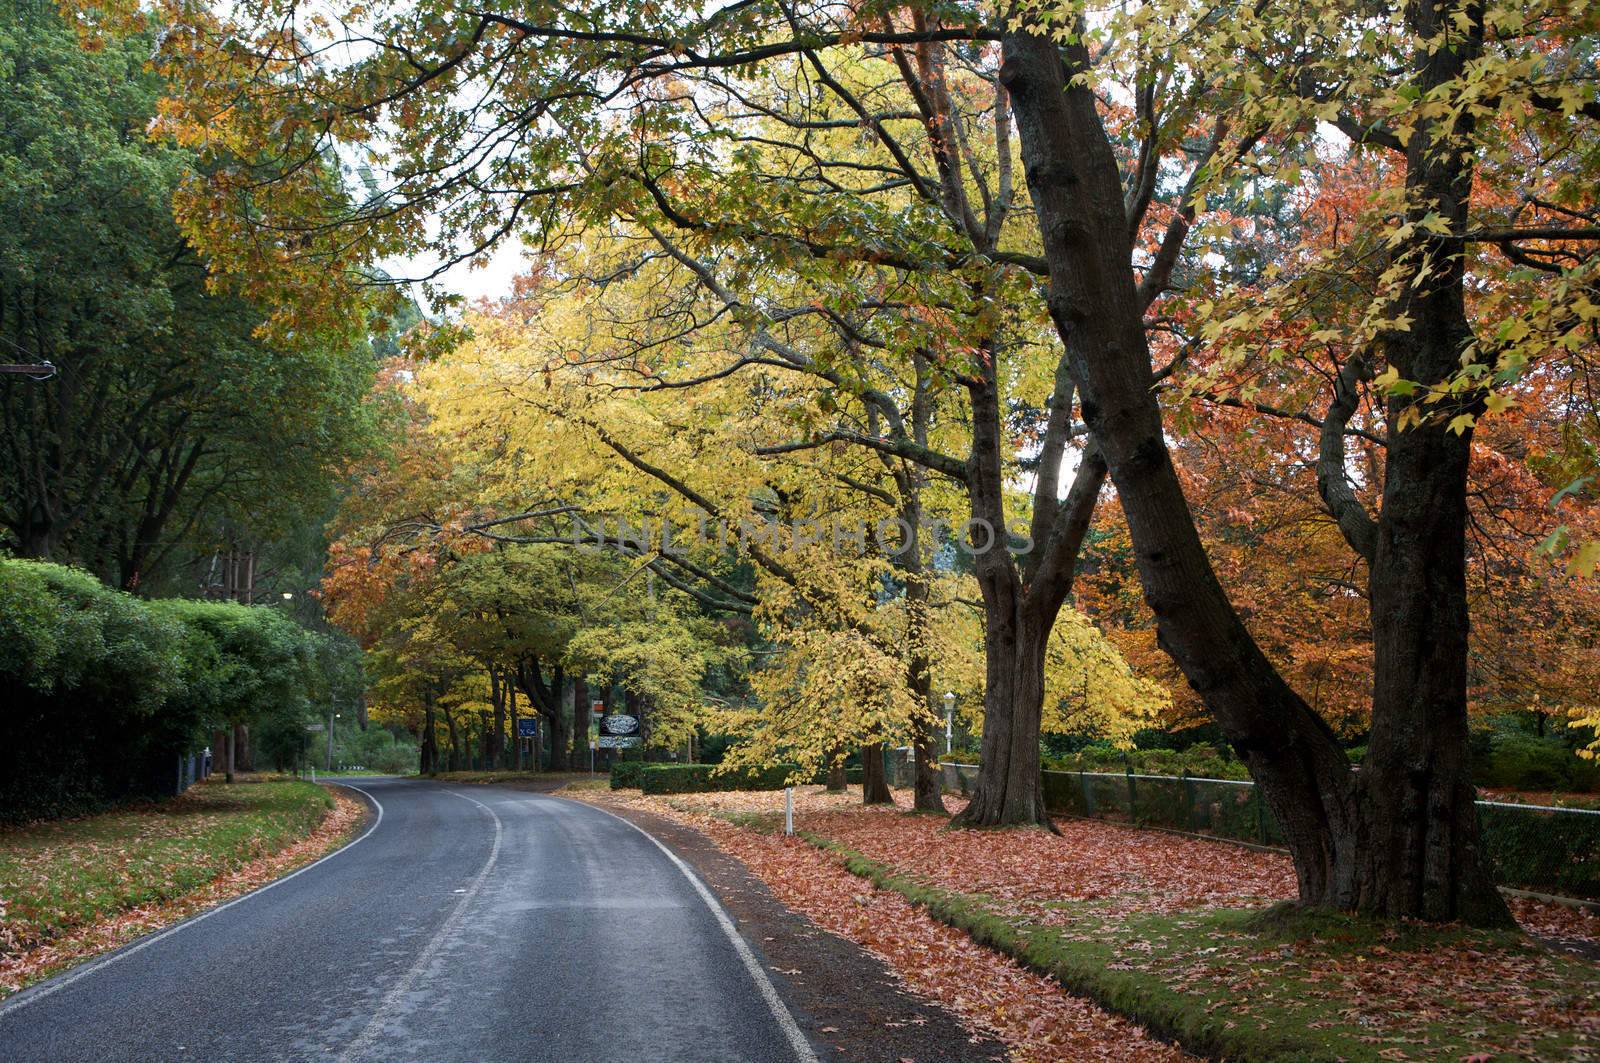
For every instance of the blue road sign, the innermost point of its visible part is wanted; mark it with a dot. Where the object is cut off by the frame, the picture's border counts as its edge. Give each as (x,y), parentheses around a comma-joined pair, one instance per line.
(527,727)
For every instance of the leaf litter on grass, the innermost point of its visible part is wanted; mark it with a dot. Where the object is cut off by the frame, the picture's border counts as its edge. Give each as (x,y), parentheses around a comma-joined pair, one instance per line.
(1154,900)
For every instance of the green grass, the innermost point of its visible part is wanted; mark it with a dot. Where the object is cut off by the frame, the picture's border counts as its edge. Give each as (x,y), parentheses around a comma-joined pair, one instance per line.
(59,875)
(1289,984)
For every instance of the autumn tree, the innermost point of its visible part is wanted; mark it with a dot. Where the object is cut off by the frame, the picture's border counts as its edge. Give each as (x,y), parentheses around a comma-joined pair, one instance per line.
(1400,837)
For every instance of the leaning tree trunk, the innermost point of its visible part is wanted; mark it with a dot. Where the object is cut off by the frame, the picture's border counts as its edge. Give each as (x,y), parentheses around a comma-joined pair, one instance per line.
(874,784)
(1340,831)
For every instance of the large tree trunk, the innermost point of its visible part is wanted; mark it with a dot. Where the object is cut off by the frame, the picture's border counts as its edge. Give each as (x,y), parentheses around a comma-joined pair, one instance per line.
(1419,854)
(838,780)
(580,721)
(1009,789)
(1333,826)
(1017,618)
(928,785)
(925,790)
(243,759)
(874,784)
(455,739)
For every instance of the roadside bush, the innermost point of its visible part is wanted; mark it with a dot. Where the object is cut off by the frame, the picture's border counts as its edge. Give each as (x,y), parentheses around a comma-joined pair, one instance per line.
(625,774)
(1200,759)
(703,778)
(86,675)
(102,691)
(1528,762)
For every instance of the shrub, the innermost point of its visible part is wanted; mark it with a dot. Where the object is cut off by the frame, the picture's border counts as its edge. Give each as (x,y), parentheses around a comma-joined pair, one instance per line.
(102,692)
(86,677)
(1528,762)
(704,778)
(625,774)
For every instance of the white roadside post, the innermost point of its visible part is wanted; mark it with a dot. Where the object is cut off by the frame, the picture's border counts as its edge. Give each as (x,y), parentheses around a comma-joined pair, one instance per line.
(949,719)
(788,810)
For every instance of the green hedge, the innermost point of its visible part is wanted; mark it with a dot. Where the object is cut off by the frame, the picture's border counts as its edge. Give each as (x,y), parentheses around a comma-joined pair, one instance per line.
(102,691)
(625,774)
(1547,852)
(704,778)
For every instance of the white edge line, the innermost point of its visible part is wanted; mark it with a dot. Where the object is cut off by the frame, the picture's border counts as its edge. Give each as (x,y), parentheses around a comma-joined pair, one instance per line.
(49,987)
(769,992)
(386,1006)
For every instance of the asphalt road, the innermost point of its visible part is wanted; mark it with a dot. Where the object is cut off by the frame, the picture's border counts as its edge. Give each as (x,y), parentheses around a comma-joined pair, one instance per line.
(469,923)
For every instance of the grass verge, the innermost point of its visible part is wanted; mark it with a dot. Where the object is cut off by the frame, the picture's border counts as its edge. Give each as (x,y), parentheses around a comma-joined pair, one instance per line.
(1289,984)
(72,888)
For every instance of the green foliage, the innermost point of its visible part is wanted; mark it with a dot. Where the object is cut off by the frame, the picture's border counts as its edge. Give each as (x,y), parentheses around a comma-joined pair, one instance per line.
(385,750)
(168,411)
(86,675)
(103,691)
(626,774)
(1548,852)
(703,778)
(1509,760)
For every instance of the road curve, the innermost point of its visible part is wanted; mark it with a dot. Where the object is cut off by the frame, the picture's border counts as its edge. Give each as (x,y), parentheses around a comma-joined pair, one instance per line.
(470,923)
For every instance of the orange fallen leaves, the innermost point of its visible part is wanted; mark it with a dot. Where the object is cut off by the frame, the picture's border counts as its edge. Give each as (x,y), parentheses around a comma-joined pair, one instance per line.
(1033,1016)
(1392,995)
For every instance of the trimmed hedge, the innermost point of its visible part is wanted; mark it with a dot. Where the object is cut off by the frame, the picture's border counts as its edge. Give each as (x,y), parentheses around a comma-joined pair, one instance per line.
(101,692)
(625,774)
(703,778)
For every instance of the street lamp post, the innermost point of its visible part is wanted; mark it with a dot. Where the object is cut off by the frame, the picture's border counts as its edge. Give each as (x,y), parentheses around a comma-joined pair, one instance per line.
(949,720)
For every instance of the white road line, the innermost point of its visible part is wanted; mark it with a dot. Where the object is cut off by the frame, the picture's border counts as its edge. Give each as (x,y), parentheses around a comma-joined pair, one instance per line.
(386,1008)
(769,992)
(60,982)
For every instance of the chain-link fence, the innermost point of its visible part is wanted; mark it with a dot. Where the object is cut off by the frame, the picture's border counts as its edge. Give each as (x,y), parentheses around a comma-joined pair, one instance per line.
(1532,847)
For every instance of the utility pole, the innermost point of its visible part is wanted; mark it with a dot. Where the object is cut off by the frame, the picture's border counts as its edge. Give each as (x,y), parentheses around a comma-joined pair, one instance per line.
(331,715)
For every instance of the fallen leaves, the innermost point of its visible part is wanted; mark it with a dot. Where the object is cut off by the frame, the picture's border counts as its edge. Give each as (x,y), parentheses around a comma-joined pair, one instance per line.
(1153,899)
(1030,1014)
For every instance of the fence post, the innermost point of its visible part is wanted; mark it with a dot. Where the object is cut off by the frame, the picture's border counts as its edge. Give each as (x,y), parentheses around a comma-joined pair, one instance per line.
(1261,814)
(1088,794)
(1188,801)
(1133,813)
